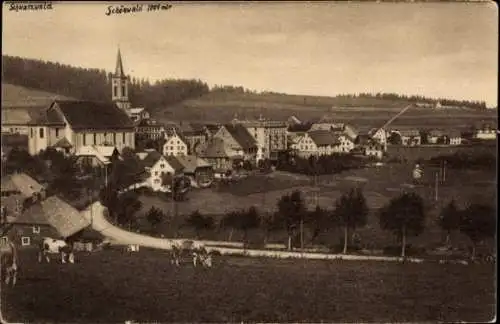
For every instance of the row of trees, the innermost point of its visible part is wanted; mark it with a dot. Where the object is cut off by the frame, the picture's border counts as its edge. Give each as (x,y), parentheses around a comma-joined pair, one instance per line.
(417,98)
(467,160)
(404,216)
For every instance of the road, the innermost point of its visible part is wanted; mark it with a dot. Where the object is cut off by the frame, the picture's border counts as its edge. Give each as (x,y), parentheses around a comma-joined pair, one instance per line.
(96,214)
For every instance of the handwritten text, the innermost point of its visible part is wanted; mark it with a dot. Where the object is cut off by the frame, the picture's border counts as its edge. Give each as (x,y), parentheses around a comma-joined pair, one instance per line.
(30,6)
(123,9)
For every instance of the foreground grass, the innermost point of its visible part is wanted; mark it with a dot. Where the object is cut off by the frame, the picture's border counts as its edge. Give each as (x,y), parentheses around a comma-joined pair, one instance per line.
(113,287)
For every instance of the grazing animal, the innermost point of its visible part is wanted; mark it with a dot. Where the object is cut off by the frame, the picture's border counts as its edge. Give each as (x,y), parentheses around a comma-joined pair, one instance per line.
(9,263)
(53,246)
(193,249)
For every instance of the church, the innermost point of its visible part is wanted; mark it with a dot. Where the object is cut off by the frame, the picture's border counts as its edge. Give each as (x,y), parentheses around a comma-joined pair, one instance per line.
(69,125)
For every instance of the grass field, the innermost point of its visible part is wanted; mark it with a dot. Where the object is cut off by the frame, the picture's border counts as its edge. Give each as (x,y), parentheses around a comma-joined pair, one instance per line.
(379,186)
(222,107)
(110,287)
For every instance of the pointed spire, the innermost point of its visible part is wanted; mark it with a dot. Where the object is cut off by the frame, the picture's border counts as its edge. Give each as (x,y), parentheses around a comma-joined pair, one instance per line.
(119,65)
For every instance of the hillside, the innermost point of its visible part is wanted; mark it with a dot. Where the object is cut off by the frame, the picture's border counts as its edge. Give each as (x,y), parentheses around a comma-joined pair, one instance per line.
(223,106)
(14,96)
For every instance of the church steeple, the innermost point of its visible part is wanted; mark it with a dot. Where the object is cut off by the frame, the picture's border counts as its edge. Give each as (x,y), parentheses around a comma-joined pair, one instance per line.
(119,85)
(119,65)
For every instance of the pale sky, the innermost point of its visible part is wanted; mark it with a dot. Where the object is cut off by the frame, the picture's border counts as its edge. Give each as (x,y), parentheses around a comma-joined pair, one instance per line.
(326,48)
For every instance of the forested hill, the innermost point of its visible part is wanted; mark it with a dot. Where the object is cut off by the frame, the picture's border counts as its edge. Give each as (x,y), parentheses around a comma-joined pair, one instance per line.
(95,84)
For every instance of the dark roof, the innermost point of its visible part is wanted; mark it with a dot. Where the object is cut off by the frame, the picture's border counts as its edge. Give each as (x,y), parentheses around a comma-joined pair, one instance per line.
(150,122)
(323,137)
(151,159)
(362,139)
(63,217)
(119,65)
(33,215)
(174,163)
(241,136)
(94,115)
(215,148)
(191,163)
(409,132)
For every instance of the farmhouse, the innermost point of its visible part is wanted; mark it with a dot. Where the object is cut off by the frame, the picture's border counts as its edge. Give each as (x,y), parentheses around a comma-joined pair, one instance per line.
(318,142)
(214,152)
(138,114)
(239,143)
(156,165)
(199,171)
(195,136)
(174,144)
(450,137)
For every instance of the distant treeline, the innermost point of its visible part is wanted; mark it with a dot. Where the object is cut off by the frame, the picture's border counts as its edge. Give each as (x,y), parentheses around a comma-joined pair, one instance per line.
(95,84)
(420,99)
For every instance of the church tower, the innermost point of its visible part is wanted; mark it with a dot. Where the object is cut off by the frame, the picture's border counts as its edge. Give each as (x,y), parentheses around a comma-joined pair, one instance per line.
(119,84)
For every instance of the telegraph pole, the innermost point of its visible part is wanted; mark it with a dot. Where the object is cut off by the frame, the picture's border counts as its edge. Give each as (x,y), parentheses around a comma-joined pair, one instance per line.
(436,187)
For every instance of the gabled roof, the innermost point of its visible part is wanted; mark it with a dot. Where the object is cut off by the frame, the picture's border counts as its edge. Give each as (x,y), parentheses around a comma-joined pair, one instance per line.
(215,148)
(241,136)
(151,158)
(33,215)
(93,115)
(15,140)
(174,163)
(26,184)
(323,137)
(47,117)
(191,163)
(63,217)
(137,110)
(63,143)
(213,128)
(90,150)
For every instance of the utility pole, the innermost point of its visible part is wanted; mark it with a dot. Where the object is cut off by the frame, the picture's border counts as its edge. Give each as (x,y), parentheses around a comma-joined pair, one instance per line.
(436,187)
(444,171)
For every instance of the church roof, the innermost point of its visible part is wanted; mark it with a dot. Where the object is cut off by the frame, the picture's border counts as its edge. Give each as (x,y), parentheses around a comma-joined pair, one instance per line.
(93,115)
(119,65)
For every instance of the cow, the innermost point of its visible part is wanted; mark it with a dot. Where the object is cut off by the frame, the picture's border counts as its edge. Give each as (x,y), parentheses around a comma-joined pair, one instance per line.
(193,249)
(9,263)
(54,246)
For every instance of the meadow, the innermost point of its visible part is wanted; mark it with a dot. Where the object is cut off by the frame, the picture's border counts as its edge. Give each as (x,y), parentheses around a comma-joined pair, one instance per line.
(112,287)
(222,107)
(379,184)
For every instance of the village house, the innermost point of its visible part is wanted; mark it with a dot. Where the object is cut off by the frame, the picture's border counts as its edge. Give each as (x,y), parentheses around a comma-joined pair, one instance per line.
(374,149)
(15,120)
(156,165)
(214,152)
(326,122)
(239,143)
(96,155)
(436,136)
(195,136)
(454,137)
(199,171)
(318,142)
(485,132)
(410,137)
(174,144)
(150,129)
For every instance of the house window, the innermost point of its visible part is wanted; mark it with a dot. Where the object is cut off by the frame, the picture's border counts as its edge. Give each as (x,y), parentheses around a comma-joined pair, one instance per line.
(115,91)
(162,166)
(156,173)
(123,91)
(84,139)
(36,229)
(4,240)
(123,138)
(41,132)
(95,138)
(157,181)
(57,132)
(25,240)
(31,132)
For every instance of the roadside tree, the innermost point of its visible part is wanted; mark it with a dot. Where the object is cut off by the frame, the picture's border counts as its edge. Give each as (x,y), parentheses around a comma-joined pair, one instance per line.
(449,220)
(403,215)
(351,212)
(478,222)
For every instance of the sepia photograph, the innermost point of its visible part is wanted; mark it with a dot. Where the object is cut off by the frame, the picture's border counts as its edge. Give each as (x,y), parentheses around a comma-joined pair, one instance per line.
(249,162)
